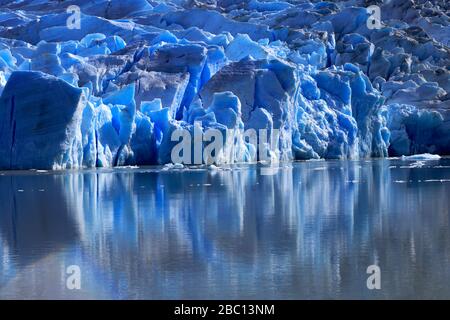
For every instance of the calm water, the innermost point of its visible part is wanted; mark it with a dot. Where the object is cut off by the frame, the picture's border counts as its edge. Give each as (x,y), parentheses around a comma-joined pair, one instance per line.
(309,231)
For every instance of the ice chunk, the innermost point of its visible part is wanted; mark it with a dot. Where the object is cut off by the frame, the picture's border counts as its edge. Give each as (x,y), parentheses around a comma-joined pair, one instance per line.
(41,123)
(92,38)
(106,137)
(170,88)
(416,130)
(7,59)
(124,96)
(421,157)
(143,141)
(226,108)
(242,46)
(149,106)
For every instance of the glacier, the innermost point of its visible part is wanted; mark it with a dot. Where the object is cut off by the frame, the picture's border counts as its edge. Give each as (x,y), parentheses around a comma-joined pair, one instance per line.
(101,83)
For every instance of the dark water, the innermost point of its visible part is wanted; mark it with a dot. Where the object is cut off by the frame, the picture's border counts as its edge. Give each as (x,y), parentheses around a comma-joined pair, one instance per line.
(309,231)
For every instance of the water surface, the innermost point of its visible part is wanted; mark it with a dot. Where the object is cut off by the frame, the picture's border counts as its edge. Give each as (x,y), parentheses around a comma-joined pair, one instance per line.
(309,231)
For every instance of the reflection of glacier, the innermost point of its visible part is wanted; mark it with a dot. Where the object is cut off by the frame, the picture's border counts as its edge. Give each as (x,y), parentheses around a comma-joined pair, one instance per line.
(309,231)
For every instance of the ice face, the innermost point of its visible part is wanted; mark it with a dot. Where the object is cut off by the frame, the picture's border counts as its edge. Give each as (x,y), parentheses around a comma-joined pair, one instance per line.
(41,121)
(111,87)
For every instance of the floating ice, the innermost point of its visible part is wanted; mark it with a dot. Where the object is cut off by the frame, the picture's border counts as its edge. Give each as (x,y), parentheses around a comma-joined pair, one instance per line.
(421,157)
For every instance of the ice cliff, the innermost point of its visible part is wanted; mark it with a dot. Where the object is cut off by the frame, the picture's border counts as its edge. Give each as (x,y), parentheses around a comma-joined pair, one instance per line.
(110,88)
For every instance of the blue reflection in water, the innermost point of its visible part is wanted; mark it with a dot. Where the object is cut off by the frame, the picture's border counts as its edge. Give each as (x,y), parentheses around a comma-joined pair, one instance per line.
(310,231)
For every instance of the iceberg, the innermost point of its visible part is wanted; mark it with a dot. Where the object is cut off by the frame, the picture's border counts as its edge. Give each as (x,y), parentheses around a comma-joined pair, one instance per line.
(316,78)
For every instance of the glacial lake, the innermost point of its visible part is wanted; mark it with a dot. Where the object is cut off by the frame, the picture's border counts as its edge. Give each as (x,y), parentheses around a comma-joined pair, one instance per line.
(309,230)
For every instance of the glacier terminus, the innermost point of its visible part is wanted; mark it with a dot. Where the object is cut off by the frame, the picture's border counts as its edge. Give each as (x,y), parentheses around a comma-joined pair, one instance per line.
(101,83)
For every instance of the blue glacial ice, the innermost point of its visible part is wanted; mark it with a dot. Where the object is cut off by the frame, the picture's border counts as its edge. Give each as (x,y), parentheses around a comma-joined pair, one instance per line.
(113,90)
(41,121)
